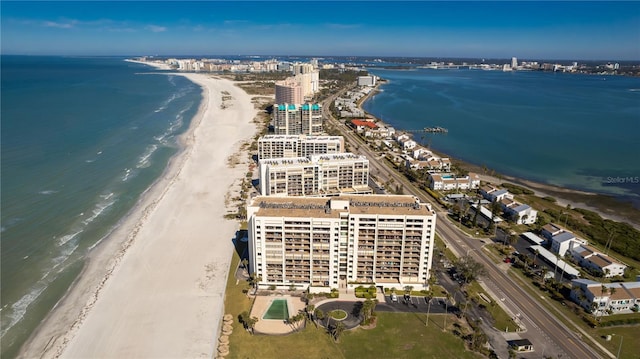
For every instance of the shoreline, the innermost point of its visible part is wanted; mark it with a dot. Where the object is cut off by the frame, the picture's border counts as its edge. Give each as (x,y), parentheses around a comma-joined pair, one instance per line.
(155,286)
(157,65)
(591,201)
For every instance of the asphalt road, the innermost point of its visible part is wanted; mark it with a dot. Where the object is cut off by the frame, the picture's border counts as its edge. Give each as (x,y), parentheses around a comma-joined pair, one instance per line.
(544,330)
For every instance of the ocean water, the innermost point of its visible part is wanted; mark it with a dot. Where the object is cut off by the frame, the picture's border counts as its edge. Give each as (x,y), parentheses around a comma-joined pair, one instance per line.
(81,140)
(570,130)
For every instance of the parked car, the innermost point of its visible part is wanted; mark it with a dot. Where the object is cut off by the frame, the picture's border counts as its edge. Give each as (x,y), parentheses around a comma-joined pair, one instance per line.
(394,297)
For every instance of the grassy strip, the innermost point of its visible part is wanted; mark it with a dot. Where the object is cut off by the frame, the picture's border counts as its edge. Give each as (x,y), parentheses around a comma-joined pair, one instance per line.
(502,320)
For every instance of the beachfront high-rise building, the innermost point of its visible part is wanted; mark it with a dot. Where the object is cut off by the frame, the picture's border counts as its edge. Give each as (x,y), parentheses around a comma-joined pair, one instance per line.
(367,81)
(341,242)
(309,81)
(292,119)
(514,62)
(287,146)
(302,68)
(327,174)
(289,91)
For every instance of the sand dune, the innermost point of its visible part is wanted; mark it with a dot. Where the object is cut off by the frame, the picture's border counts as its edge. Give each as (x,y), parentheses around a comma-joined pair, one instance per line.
(155,288)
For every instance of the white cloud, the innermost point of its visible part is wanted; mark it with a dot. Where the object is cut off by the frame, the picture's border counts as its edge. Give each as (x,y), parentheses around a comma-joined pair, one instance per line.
(64,24)
(156,28)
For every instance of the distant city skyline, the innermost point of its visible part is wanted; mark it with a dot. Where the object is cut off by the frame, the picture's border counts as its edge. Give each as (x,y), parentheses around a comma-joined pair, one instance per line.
(526,30)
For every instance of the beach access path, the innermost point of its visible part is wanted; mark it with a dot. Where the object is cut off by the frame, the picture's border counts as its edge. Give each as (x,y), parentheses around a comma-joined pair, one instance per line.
(155,288)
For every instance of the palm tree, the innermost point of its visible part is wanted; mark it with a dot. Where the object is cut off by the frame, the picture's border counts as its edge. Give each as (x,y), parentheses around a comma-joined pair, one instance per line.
(309,309)
(251,324)
(319,314)
(544,274)
(446,312)
(612,291)
(337,330)
(537,252)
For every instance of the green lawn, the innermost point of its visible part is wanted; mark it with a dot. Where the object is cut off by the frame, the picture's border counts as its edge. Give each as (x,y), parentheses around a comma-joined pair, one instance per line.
(397,335)
(403,335)
(630,342)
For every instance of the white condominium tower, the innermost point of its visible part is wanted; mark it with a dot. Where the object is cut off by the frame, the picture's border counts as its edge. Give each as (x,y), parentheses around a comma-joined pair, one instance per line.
(341,242)
(292,119)
(318,175)
(287,146)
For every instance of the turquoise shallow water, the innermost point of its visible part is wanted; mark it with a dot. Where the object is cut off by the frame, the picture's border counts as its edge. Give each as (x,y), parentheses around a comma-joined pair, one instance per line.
(570,130)
(82,139)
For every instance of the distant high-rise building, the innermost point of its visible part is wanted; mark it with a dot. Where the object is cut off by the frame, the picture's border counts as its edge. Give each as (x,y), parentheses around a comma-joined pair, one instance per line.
(514,62)
(366,81)
(289,91)
(293,119)
(309,81)
(341,242)
(302,68)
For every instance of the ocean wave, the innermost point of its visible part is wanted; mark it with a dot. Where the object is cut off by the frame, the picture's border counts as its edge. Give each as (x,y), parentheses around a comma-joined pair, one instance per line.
(143,162)
(127,174)
(19,308)
(66,238)
(174,96)
(102,206)
(47,192)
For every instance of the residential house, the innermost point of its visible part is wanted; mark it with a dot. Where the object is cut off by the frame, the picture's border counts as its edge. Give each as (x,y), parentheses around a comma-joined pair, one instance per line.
(605,298)
(549,230)
(564,241)
(589,257)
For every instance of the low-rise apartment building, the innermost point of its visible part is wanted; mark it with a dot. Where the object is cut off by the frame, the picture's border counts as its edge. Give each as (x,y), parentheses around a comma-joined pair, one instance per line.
(450,182)
(590,258)
(605,298)
(518,212)
(341,242)
(564,241)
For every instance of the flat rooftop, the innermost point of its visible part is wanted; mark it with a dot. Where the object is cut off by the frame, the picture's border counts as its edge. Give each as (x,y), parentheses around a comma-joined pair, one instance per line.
(320,207)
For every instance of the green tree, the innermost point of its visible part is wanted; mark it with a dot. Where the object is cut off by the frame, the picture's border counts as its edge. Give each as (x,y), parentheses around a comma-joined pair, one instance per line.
(319,314)
(251,324)
(337,330)
(469,269)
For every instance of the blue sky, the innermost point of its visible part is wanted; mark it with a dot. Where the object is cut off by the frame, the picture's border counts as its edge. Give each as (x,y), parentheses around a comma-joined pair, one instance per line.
(535,30)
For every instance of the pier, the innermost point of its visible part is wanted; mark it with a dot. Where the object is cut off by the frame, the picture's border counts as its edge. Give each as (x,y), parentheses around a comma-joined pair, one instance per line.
(436,129)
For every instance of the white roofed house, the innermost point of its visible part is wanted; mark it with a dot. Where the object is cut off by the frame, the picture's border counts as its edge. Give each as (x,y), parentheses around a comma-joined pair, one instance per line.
(421,153)
(564,241)
(549,230)
(520,213)
(408,144)
(494,194)
(588,257)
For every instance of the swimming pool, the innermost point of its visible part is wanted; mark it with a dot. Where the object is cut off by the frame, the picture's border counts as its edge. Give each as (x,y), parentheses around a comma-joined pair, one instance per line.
(277,310)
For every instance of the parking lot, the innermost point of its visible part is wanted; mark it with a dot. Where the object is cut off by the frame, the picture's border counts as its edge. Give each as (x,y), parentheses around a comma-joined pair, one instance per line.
(414,305)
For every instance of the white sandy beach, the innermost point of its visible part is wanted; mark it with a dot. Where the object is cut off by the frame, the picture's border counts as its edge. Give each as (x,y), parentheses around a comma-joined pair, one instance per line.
(155,288)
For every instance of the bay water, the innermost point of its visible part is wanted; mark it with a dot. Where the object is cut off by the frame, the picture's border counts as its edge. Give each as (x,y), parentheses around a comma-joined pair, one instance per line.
(82,139)
(569,130)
